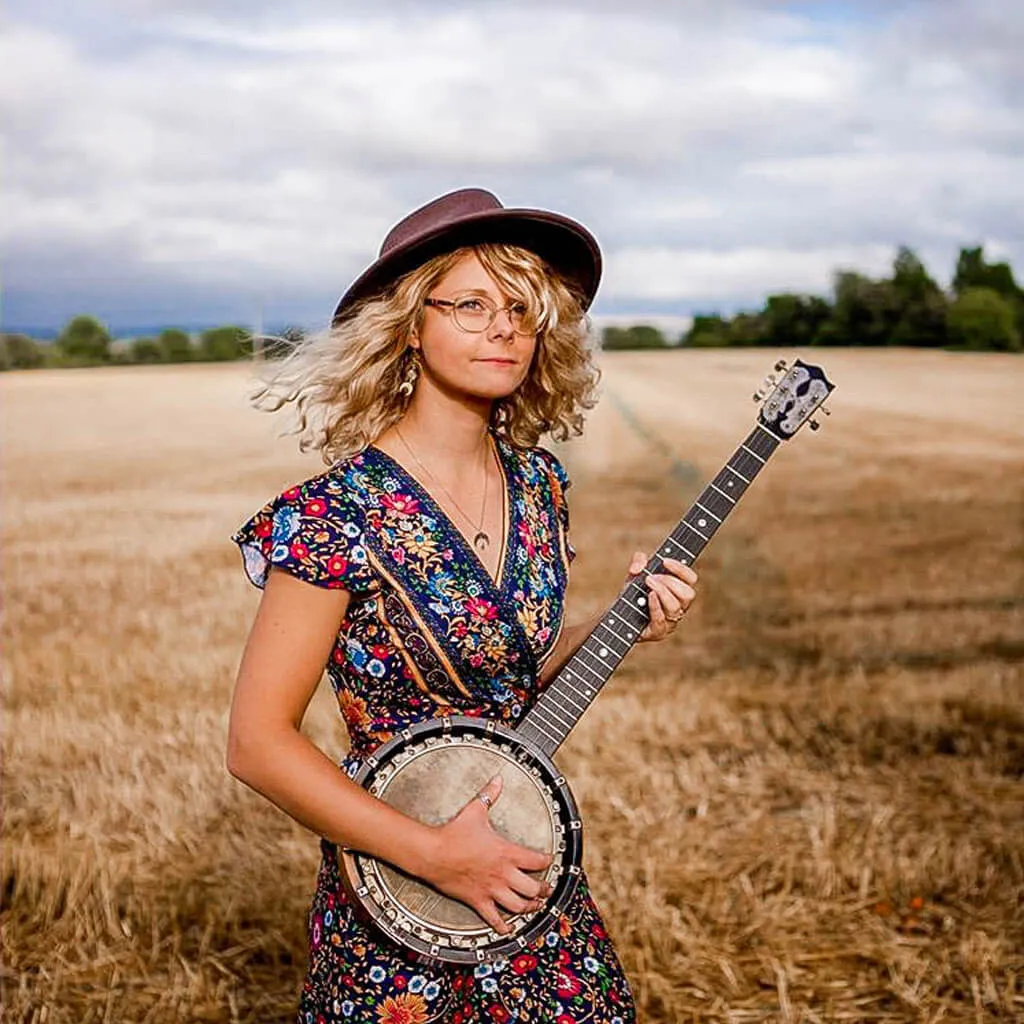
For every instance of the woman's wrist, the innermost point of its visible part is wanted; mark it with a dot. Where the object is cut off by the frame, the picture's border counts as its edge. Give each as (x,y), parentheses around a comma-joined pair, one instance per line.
(417,849)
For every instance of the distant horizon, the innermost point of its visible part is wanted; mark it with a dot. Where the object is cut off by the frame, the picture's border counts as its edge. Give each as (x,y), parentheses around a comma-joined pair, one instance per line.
(668,323)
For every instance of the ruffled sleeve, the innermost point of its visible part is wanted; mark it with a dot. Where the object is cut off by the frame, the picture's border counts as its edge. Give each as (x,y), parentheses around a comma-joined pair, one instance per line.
(559,482)
(314,531)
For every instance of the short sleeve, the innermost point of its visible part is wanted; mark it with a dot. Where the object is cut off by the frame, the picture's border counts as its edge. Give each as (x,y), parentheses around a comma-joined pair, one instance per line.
(559,483)
(313,531)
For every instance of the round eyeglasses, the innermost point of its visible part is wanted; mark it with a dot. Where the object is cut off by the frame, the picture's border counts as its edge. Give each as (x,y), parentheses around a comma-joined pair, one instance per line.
(475,313)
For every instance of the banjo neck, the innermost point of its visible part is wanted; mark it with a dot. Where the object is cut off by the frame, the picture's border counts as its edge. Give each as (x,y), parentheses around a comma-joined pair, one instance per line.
(581,679)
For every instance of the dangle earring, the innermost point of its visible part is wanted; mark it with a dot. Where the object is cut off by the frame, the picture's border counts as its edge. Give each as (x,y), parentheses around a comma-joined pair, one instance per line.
(412,371)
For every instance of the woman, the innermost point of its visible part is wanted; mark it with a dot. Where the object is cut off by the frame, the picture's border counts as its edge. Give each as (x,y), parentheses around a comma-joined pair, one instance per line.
(426,568)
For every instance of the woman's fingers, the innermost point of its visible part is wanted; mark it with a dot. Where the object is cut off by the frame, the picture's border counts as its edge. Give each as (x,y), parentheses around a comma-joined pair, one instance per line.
(487,797)
(488,910)
(527,887)
(675,595)
(680,569)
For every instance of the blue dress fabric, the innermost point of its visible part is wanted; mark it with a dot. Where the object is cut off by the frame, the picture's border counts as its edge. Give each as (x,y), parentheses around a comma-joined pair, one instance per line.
(429,632)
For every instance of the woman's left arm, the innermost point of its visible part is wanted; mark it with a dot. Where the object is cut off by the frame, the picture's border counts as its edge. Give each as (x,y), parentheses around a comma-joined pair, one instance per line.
(672,593)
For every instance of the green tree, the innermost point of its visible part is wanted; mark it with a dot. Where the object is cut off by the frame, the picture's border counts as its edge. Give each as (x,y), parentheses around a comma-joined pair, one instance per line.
(746,329)
(920,305)
(175,346)
(974,271)
(981,318)
(20,352)
(638,336)
(146,350)
(84,340)
(707,331)
(864,311)
(224,343)
(792,320)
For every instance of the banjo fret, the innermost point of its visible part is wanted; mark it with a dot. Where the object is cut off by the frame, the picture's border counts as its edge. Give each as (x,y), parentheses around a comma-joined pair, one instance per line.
(559,707)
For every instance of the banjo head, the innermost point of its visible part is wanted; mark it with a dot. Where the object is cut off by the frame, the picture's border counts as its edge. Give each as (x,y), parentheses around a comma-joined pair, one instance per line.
(430,772)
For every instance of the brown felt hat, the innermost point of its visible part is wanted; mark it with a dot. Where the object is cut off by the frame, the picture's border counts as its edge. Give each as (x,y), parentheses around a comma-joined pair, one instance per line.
(472,216)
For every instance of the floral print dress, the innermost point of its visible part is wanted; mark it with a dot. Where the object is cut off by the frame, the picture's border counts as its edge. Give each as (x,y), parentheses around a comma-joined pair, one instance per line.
(428,632)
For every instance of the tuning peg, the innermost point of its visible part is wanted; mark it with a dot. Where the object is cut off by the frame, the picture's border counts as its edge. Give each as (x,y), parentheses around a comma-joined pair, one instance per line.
(826,410)
(757,396)
(815,425)
(781,364)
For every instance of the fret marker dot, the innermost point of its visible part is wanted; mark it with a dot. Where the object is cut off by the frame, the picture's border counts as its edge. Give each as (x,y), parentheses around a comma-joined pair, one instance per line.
(667,551)
(728,483)
(641,601)
(587,693)
(603,652)
(629,636)
(702,522)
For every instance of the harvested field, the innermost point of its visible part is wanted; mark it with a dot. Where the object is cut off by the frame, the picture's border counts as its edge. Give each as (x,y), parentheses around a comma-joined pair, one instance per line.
(808,805)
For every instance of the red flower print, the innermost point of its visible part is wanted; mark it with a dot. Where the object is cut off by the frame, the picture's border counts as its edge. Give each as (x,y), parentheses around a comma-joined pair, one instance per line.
(524,963)
(403,504)
(597,931)
(336,565)
(291,494)
(568,984)
(380,651)
(458,982)
(526,537)
(299,550)
(564,1018)
(398,554)
(499,1014)
(399,981)
(481,609)
(315,507)
(265,528)
(563,956)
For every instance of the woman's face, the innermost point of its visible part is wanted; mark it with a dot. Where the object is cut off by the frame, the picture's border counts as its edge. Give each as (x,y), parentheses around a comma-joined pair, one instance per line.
(485,365)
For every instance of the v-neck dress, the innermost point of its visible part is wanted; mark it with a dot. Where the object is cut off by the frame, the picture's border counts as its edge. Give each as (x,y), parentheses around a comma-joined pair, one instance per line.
(429,632)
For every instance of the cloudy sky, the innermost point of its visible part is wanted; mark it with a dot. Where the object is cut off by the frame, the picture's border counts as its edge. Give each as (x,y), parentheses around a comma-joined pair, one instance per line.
(202,160)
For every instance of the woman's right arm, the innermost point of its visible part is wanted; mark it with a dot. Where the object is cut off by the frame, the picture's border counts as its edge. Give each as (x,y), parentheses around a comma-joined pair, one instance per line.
(291,639)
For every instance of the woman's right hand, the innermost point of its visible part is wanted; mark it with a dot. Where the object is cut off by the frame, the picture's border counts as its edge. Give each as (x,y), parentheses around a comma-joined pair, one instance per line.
(470,862)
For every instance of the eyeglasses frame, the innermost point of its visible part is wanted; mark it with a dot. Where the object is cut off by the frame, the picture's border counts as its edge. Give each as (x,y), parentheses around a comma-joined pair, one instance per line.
(495,310)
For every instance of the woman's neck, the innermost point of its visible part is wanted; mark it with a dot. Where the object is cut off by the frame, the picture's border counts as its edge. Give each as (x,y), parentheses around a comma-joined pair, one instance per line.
(451,431)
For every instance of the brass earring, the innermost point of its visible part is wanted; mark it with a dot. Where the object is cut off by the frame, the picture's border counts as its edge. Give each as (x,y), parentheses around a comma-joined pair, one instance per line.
(412,371)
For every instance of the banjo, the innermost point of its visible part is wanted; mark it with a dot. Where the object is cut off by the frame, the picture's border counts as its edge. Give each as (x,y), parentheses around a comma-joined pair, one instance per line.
(430,770)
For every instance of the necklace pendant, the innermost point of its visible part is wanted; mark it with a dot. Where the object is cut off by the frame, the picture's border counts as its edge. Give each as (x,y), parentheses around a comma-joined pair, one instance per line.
(481,541)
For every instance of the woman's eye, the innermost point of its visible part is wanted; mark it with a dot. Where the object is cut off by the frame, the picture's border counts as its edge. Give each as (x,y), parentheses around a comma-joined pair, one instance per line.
(519,309)
(471,305)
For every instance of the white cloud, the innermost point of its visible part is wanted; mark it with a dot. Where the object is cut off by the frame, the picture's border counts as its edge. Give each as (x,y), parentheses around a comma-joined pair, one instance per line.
(719,155)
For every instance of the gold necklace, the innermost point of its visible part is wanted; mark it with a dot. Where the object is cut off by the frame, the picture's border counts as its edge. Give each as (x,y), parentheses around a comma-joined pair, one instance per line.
(481,540)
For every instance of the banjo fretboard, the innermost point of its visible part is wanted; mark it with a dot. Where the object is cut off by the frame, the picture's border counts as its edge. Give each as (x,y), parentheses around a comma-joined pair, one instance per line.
(581,679)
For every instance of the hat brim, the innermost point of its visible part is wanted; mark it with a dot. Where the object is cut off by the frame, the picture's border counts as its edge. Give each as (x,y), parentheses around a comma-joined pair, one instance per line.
(566,246)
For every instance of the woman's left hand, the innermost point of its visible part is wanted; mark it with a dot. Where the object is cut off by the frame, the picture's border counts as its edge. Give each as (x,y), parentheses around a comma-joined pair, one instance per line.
(671,594)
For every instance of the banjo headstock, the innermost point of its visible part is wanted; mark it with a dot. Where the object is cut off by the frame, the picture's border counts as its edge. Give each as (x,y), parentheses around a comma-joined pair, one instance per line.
(793,399)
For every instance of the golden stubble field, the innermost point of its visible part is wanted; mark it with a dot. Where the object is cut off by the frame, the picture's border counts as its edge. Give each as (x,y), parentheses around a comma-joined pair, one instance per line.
(807,806)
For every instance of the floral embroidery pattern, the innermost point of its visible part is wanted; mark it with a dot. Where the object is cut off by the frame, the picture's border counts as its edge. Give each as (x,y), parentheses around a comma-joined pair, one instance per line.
(429,633)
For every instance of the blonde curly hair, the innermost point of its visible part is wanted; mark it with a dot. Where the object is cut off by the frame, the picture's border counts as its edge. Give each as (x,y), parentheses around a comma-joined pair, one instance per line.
(343,383)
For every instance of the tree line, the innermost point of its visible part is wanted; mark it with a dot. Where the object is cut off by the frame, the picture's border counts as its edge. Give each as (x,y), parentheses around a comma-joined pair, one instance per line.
(85,341)
(983,310)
